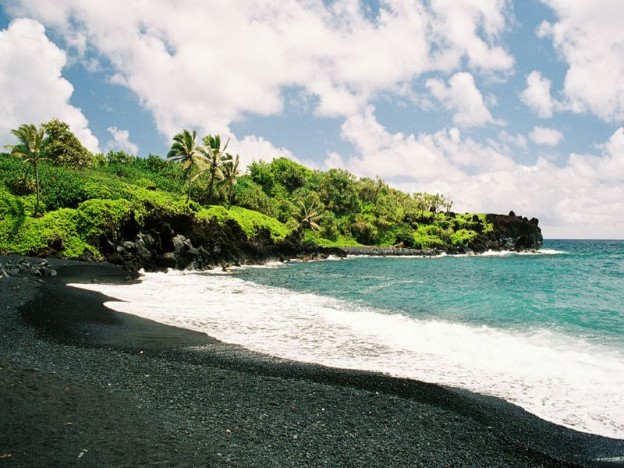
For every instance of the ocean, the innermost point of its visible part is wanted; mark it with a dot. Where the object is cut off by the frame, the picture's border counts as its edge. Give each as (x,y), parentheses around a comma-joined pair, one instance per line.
(543,330)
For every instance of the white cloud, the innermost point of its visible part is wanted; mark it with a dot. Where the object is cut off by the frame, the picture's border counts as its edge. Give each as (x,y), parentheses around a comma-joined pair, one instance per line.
(207,80)
(509,142)
(428,158)
(188,71)
(463,97)
(546,136)
(254,148)
(537,95)
(609,166)
(590,37)
(32,88)
(121,141)
(457,24)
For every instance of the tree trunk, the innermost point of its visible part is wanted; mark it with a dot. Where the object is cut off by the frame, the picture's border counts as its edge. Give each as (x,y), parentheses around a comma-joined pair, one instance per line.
(36,167)
(188,195)
(230,195)
(210,187)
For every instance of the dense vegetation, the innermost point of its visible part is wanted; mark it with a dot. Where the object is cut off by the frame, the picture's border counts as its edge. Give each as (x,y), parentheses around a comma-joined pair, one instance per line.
(56,196)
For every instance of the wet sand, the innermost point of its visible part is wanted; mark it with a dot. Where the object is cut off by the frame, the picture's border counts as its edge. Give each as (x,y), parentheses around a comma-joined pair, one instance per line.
(83,385)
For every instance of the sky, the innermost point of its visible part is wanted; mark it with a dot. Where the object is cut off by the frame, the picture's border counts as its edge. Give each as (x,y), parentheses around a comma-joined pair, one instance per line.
(501,105)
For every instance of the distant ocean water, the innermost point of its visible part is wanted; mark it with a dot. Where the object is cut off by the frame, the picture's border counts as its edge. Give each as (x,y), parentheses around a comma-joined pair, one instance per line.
(544,331)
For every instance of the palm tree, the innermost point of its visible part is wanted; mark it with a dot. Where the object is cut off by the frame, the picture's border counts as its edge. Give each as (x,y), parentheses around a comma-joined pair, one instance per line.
(230,175)
(184,150)
(29,148)
(308,214)
(215,156)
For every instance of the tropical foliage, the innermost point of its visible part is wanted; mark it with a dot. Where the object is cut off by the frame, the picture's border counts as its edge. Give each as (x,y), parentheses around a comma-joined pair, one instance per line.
(185,151)
(231,172)
(29,149)
(78,195)
(62,147)
(216,157)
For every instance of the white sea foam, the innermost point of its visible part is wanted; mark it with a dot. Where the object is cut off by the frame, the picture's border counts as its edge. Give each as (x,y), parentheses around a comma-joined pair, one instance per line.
(390,255)
(487,253)
(551,252)
(509,253)
(556,377)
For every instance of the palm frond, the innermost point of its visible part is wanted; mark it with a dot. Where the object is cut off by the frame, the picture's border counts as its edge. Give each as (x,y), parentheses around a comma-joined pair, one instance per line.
(29,148)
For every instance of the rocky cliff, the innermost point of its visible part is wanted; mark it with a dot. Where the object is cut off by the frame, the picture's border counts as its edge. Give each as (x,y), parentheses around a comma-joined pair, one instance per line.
(183,241)
(510,232)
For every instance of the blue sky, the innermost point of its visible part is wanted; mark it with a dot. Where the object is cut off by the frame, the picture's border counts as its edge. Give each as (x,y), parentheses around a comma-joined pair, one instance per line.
(503,105)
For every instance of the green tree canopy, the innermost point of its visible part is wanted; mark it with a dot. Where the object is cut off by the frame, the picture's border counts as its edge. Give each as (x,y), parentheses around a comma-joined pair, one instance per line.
(338,191)
(262,174)
(290,174)
(215,157)
(62,148)
(184,150)
(249,194)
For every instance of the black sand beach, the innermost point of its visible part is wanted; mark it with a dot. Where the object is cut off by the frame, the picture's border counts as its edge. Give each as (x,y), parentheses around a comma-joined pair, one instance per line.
(83,385)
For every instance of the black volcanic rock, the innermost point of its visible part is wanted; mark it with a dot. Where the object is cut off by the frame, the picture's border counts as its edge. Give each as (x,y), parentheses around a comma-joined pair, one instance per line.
(22,267)
(509,232)
(185,242)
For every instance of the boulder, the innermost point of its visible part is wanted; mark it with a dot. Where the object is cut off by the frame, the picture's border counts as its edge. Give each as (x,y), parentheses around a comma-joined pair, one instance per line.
(509,232)
(26,268)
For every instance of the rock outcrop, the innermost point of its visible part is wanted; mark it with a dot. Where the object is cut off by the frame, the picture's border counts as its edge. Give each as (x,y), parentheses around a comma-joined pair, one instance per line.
(393,251)
(510,232)
(185,242)
(26,268)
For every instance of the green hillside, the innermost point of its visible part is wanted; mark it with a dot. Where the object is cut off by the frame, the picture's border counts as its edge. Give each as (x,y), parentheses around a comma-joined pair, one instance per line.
(83,196)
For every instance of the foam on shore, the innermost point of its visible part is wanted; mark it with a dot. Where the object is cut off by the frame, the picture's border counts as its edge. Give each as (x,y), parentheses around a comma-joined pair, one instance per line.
(558,378)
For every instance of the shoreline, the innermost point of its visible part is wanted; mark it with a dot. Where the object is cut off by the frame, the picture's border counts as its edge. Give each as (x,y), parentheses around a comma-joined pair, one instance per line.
(139,383)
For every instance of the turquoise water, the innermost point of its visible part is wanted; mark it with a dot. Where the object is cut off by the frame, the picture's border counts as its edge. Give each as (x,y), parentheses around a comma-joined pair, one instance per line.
(575,287)
(544,331)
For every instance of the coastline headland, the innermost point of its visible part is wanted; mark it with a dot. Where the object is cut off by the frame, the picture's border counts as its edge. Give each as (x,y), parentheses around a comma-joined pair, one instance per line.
(183,241)
(84,384)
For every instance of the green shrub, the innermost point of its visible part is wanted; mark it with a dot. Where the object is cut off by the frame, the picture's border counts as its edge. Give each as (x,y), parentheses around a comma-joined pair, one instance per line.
(426,241)
(54,231)
(463,237)
(251,222)
(364,230)
(61,188)
(404,236)
(23,185)
(248,194)
(217,212)
(96,217)
(329,226)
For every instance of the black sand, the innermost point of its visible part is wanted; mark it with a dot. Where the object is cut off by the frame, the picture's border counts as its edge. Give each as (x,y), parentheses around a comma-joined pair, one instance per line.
(83,385)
